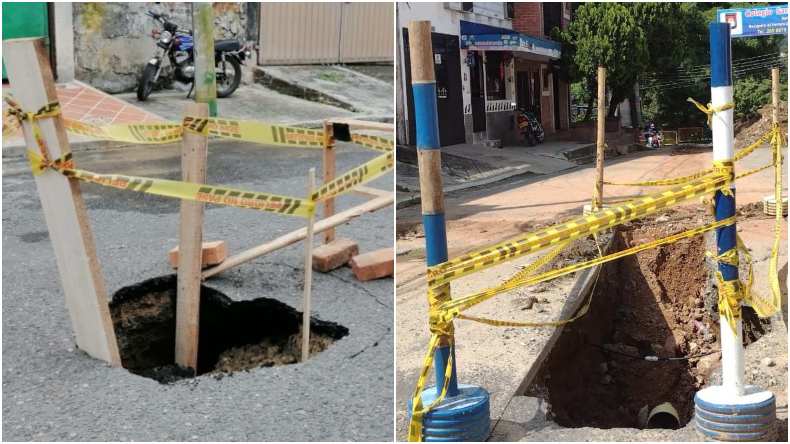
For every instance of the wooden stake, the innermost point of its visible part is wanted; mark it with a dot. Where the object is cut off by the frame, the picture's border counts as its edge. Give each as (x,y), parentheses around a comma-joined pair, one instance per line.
(775,95)
(297,235)
(193,169)
(205,72)
(599,156)
(32,84)
(308,273)
(329,175)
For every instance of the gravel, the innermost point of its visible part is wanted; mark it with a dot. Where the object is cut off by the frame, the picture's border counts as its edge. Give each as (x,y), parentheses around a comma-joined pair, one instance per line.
(52,392)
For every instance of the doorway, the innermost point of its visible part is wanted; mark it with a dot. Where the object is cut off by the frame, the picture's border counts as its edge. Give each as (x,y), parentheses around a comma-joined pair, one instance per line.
(477,91)
(449,102)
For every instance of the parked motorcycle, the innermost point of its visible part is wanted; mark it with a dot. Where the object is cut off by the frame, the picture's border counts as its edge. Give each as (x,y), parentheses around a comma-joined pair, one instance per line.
(653,136)
(178,46)
(530,127)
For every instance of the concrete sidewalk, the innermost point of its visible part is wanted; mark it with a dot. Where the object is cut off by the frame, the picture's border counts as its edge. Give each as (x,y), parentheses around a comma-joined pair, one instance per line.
(254,102)
(350,89)
(469,165)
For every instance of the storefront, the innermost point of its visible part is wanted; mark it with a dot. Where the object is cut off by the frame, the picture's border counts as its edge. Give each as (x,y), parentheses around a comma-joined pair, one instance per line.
(507,70)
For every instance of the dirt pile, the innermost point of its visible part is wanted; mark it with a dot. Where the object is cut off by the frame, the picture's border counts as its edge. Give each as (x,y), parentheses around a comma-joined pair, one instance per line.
(747,130)
(234,335)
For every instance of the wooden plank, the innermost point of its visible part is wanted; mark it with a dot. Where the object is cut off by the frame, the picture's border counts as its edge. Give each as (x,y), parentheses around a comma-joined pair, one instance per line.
(32,85)
(370,191)
(308,274)
(297,235)
(356,125)
(329,175)
(193,169)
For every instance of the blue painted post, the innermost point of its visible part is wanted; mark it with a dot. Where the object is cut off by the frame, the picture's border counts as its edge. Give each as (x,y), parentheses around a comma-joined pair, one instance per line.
(464,414)
(430,166)
(732,411)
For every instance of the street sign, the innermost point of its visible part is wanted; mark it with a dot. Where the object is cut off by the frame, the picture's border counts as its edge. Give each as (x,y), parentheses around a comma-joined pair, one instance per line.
(755,22)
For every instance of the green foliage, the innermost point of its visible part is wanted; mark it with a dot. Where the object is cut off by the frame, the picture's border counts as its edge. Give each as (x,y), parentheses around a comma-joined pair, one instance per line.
(605,34)
(664,46)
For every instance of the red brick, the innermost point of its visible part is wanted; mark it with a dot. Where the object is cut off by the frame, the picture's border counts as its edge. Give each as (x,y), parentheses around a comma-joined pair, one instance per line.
(213,253)
(333,255)
(374,265)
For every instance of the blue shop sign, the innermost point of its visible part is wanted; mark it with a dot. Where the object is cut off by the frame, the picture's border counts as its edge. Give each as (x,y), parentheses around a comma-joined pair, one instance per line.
(755,22)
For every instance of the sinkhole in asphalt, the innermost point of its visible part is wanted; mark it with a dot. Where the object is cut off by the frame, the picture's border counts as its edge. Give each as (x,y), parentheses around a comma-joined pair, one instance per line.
(234,335)
(660,302)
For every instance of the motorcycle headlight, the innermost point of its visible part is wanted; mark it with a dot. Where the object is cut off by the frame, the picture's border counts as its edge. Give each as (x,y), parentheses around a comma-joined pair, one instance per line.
(165,37)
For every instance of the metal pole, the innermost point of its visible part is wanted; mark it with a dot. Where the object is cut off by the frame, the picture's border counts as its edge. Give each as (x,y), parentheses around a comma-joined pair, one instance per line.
(601,134)
(205,74)
(723,150)
(430,166)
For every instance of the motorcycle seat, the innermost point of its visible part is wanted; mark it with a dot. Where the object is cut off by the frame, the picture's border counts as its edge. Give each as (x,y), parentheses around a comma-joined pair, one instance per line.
(227,45)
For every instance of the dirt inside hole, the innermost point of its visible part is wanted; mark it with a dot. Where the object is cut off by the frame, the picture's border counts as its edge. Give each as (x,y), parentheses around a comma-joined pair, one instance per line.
(655,303)
(234,335)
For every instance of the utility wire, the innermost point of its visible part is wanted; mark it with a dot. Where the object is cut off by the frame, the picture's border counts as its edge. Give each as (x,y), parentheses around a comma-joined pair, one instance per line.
(702,68)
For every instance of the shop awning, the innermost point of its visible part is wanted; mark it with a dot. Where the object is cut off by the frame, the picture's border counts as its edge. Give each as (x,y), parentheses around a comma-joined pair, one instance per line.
(476,36)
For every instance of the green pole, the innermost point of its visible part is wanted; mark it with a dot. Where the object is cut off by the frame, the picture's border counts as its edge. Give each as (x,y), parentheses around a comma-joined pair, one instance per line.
(205,75)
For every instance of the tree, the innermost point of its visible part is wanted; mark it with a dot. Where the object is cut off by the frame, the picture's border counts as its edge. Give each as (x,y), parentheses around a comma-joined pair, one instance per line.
(605,34)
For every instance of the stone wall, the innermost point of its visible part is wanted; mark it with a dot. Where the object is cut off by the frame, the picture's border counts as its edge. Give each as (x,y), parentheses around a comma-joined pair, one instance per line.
(112,41)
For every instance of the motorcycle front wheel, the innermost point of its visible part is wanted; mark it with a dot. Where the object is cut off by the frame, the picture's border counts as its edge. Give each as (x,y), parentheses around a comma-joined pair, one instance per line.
(146,84)
(228,76)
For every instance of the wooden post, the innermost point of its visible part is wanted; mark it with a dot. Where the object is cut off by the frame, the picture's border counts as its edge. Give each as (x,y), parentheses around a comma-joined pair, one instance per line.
(329,175)
(308,273)
(205,74)
(599,154)
(775,95)
(193,169)
(32,84)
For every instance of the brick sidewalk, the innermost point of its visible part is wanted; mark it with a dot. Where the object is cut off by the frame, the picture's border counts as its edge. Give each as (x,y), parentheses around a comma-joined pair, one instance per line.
(82,102)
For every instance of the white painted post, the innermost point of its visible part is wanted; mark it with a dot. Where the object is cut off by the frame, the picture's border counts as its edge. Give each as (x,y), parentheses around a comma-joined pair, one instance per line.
(723,150)
(32,85)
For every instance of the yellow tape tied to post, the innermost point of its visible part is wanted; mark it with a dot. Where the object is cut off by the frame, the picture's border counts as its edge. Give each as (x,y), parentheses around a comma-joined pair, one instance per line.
(273,203)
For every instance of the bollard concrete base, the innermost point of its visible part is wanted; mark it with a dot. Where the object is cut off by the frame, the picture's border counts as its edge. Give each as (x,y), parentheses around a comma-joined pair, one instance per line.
(465,417)
(720,416)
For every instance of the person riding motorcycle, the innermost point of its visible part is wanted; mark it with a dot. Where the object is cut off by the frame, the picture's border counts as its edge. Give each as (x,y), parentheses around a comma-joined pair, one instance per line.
(652,135)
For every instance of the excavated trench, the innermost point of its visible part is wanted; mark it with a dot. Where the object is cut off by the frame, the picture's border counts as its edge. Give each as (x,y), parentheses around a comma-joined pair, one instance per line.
(660,302)
(234,335)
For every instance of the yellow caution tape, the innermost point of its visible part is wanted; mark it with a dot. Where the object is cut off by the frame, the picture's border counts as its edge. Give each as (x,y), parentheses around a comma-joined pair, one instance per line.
(140,133)
(445,312)
(356,176)
(373,142)
(710,110)
(574,229)
(291,206)
(417,410)
(15,111)
(456,306)
(235,129)
(258,132)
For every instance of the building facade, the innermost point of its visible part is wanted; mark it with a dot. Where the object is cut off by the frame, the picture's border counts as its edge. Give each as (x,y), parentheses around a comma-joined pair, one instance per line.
(107,44)
(490,59)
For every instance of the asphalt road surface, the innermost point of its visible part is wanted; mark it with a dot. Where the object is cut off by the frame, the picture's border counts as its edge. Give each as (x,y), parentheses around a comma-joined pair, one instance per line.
(53,392)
